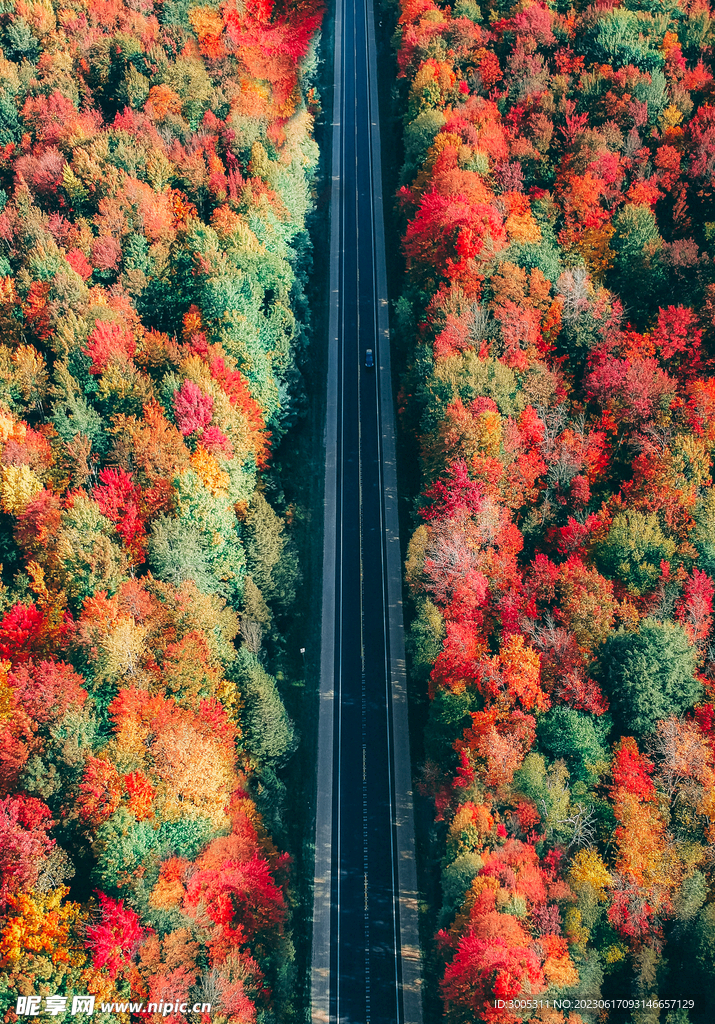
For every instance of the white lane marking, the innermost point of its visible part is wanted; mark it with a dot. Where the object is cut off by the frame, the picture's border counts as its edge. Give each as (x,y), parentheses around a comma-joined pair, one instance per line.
(324,825)
(383,559)
(341,364)
(404,862)
(363,690)
(342,549)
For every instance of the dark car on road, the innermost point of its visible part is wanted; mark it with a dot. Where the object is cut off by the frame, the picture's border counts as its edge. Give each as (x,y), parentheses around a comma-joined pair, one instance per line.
(369,360)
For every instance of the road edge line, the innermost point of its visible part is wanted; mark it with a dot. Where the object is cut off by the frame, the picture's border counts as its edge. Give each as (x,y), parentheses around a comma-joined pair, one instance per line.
(404,810)
(322,875)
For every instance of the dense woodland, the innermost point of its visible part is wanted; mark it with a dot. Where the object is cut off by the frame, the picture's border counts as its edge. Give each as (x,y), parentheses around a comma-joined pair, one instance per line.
(156,166)
(557,210)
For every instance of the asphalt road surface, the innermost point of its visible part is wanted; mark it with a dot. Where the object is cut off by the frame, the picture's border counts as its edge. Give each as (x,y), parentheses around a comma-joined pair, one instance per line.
(364,837)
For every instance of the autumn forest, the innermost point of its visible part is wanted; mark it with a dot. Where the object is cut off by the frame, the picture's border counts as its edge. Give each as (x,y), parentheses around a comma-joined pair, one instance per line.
(553,328)
(557,323)
(153,253)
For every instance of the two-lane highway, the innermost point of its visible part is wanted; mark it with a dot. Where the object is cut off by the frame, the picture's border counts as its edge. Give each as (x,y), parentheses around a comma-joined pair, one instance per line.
(365,946)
